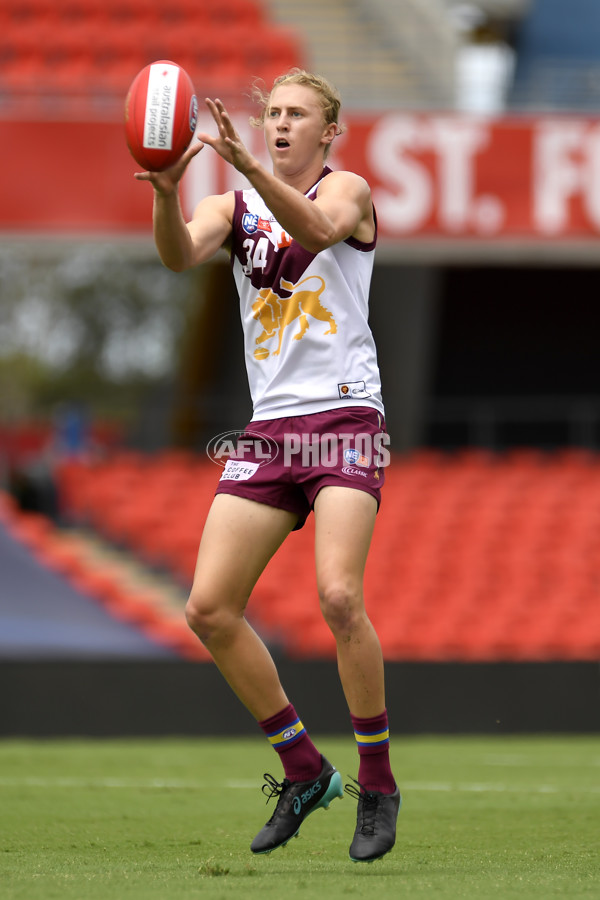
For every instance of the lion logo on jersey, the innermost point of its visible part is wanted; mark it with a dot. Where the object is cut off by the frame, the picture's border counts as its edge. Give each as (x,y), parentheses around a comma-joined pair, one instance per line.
(275,313)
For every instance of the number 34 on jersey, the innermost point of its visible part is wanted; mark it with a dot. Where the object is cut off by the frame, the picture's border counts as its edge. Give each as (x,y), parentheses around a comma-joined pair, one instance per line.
(257,251)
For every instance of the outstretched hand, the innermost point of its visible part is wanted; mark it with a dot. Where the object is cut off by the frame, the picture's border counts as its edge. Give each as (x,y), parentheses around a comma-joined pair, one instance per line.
(166,182)
(228,144)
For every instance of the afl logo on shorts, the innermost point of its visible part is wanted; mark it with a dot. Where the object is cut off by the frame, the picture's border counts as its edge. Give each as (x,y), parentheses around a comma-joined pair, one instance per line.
(248,447)
(250,222)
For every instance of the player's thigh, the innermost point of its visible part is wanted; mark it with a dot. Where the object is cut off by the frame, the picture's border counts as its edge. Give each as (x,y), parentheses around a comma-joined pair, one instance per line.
(344,522)
(239,538)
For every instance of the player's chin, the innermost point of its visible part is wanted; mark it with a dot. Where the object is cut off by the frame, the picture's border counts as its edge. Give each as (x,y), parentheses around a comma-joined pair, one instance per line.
(283,160)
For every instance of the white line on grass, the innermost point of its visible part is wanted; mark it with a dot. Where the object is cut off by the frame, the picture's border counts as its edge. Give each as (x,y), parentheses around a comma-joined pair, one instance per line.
(175,784)
(521,761)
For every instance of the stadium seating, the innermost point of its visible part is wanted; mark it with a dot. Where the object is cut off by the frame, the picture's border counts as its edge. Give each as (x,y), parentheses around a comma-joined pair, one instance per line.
(475,556)
(558,66)
(122,596)
(96,47)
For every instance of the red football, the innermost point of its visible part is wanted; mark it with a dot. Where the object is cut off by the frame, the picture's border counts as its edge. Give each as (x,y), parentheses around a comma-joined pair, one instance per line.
(161,112)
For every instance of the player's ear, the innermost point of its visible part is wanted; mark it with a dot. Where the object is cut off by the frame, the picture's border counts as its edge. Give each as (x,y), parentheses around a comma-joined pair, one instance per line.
(330,133)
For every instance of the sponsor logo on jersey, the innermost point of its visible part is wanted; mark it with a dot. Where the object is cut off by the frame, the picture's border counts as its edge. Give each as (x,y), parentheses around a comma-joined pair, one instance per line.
(353,390)
(250,222)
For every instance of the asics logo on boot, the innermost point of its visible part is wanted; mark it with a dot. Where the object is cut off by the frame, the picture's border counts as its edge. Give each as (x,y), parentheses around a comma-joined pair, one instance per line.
(305,797)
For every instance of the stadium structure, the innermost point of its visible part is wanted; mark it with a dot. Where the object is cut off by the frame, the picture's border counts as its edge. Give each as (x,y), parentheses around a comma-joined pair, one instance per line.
(476,125)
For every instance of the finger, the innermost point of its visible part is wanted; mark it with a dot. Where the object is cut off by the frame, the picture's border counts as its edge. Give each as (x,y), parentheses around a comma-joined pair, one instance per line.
(223,114)
(226,121)
(194,148)
(208,139)
(214,110)
(221,117)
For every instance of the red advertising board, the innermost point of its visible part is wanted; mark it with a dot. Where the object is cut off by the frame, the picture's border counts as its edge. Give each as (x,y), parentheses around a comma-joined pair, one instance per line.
(433,176)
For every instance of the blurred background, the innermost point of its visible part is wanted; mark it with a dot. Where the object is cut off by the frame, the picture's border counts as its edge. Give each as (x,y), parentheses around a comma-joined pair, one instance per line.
(476,124)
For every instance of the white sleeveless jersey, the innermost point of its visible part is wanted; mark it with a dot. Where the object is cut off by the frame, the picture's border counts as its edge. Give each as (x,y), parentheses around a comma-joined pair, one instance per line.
(308,344)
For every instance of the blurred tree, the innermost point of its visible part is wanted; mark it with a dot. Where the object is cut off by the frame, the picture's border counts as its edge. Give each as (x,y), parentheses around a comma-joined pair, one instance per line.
(92,325)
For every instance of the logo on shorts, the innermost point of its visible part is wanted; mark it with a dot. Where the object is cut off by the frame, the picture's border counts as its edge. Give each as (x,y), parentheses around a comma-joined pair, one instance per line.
(354,458)
(243,447)
(350,470)
(238,471)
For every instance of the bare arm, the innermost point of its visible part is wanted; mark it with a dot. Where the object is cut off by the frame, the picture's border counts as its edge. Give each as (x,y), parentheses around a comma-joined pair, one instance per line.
(182,245)
(342,208)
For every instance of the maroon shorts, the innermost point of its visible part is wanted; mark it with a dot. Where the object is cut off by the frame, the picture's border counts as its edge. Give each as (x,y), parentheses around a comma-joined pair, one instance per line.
(285,462)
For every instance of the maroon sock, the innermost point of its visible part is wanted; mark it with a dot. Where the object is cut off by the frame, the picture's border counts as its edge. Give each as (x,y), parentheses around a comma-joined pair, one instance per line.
(373,741)
(300,758)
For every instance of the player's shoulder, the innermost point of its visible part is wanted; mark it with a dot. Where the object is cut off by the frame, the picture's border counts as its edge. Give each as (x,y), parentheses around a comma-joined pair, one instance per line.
(343,180)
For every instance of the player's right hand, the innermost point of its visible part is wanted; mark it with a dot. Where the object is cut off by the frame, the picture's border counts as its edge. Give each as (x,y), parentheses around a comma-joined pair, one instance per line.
(167,181)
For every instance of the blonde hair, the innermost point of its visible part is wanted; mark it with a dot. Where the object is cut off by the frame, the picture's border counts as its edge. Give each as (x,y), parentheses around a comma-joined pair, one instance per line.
(328,95)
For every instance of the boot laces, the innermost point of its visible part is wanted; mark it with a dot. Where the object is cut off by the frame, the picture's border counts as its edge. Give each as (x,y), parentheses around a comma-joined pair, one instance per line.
(274,788)
(368,805)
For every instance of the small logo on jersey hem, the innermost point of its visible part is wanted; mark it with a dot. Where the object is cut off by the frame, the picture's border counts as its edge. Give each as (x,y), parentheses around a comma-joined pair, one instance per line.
(353,390)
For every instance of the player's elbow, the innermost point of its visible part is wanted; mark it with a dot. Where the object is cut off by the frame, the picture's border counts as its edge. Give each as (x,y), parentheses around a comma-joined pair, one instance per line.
(175,266)
(320,239)
(175,263)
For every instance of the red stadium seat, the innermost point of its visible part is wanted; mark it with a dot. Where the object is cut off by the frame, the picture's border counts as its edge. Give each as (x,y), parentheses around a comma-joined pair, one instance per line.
(96,47)
(473,557)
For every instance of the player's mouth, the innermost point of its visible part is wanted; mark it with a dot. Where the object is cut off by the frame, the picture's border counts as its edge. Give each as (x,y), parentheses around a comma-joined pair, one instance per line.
(282,143)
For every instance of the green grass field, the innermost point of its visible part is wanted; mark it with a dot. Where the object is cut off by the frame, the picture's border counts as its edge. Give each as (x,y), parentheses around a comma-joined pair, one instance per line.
(481,818)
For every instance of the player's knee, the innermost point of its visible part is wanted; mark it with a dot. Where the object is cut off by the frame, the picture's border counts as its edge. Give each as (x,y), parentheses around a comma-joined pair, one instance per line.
(342,608)
(204,616)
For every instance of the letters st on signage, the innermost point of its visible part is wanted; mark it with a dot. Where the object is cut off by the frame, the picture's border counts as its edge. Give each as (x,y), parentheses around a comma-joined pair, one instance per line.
(460,176)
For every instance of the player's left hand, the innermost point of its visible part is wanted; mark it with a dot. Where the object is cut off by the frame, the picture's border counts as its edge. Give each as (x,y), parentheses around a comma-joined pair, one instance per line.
(228,144)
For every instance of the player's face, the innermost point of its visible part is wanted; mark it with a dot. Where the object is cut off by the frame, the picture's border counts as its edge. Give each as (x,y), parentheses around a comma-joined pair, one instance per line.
(295,130)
